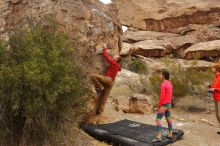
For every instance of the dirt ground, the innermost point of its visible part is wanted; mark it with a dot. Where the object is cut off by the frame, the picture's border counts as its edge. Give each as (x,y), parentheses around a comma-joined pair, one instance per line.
(199,128)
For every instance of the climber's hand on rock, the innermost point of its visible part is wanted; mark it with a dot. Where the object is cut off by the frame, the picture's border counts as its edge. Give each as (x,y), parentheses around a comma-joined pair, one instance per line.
(104,45)
(212,89)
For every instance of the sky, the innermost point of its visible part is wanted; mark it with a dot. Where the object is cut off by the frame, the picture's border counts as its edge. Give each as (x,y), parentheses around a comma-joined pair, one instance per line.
(106,1)
(124,28)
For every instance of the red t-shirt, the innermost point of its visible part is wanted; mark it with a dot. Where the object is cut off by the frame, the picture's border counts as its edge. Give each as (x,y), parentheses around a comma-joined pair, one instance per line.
(216,85)
(166,90)
(114,66)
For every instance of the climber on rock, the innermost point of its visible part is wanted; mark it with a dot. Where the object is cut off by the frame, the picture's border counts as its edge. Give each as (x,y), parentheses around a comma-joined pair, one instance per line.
(104,83)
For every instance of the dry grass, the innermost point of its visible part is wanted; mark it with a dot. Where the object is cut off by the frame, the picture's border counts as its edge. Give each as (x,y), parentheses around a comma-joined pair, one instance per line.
(193,104)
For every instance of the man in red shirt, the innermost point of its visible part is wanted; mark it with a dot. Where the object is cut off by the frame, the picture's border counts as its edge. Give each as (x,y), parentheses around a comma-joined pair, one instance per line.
(215,89)
(105,82)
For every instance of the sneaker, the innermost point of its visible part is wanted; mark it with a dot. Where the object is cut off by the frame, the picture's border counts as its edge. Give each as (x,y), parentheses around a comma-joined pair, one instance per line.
(170,138)
(156,139)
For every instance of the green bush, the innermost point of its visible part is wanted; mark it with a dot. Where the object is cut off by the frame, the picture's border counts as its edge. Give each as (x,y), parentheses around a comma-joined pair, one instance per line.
(186,81)
(193,104)
(155,84)
(125,62)
(192,82)
(40,83)
(138,66)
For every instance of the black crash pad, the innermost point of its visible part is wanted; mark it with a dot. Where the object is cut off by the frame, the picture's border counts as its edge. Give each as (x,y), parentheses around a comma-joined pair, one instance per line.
(130,133)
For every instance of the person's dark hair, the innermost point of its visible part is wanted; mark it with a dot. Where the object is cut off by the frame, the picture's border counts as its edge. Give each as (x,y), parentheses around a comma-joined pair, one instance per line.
(166,74)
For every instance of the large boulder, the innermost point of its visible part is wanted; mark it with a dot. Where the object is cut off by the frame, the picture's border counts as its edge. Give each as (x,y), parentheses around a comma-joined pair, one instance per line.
(141,104)
(150,48)
(167,15)
(203,49)
(181,43)
(136,103)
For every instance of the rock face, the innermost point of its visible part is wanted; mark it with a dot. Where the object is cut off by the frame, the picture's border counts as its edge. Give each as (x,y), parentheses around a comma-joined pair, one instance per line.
(89,23)
(126,49)
(137,36)
(166,15)
(160,28)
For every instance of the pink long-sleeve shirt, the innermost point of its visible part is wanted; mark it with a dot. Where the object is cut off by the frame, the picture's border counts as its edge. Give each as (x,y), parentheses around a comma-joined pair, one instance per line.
(166,90)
